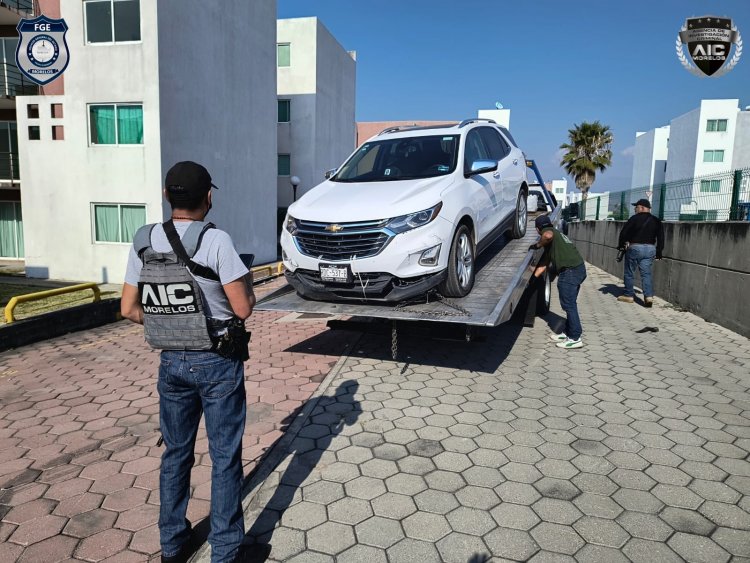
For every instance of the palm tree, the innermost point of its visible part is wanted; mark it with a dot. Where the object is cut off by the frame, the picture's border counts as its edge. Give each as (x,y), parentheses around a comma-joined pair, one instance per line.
(588,151)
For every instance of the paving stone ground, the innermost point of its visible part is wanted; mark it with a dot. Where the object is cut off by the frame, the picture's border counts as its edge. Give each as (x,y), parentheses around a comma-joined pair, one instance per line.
(634,448)
(78,430)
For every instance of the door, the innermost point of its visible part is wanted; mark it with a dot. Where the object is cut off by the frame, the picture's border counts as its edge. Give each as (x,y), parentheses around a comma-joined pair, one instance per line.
(482,191)
(500,151)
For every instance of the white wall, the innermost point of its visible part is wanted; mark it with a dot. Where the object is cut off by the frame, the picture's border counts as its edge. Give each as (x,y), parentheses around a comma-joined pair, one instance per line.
(499,116)
(320,84)
(741,157)
(649,157)
(683,145)
(218,107)
(62,178)
(711,140)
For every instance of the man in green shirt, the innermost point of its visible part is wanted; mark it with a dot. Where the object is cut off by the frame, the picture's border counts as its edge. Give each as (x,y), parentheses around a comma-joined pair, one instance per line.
(571,271)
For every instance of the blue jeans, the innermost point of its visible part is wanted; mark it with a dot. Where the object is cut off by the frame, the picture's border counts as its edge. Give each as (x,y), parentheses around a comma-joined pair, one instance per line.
(568,285)
(191,382)
(640,256)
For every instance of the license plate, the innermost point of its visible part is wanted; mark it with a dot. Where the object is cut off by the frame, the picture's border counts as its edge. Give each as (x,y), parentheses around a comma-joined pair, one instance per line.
(334,273)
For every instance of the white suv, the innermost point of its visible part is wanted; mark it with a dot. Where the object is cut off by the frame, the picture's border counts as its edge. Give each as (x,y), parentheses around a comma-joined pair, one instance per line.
(408,211)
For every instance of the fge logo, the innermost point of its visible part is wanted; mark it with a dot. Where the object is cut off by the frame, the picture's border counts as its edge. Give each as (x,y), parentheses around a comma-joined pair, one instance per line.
(709,40)
(167,298)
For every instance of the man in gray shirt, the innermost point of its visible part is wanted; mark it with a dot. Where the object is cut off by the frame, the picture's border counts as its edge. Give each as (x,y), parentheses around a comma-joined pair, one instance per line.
(192,382)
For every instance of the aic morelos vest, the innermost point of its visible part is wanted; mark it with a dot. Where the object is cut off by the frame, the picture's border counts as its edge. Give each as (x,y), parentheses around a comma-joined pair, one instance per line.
(173,310)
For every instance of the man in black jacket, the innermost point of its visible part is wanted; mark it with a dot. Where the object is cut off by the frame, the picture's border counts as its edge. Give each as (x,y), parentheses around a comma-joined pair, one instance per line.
(643,238)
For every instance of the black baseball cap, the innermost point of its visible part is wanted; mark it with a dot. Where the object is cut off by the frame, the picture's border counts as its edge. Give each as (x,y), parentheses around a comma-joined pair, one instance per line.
(542,221)
(643,202)
(188,180)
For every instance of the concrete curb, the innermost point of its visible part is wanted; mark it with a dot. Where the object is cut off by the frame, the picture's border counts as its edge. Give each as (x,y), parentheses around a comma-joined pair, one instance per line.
(274,456)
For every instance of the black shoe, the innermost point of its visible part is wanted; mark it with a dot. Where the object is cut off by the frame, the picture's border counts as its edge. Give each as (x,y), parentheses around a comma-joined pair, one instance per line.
(182,556)
(255,553)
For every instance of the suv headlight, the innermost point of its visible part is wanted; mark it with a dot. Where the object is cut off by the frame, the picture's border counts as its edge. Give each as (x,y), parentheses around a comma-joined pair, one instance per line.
(413,220)
(290,224)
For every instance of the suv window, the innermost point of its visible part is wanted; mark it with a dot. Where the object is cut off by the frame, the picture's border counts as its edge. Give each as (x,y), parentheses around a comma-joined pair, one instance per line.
(498,148)
(475,149)
(401,158)
(508,136)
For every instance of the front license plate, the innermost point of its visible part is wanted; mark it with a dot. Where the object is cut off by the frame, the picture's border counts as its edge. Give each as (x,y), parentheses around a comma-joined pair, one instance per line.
(334,273)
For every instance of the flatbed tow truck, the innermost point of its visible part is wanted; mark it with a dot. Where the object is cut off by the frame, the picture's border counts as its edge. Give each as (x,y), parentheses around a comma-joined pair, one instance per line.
(501,289)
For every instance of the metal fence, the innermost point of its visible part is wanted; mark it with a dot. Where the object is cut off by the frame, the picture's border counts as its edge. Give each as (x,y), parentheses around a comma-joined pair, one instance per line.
(715,197)
(14,83)
(9,167)
(20,6)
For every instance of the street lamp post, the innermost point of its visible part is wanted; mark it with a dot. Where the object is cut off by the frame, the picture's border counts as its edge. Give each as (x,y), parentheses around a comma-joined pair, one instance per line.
(295,182)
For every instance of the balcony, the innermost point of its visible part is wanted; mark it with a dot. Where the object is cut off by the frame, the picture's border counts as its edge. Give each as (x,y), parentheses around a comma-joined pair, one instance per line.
(9,176)
(14,83)
(11,11)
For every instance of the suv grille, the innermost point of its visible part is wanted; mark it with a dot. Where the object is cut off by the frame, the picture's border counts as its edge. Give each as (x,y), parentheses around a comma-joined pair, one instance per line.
(360,240)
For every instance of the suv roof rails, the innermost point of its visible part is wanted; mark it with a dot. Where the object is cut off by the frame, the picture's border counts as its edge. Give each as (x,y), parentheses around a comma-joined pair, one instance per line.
(413,128)
(475,120)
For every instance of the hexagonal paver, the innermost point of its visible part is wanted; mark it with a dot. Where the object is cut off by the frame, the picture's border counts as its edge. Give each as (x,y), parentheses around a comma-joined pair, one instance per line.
(736,542)
(597,505)
(426,526)
(687,521)
(286,543)
(517,516)
(90,523)
(37,529)
(560,489)
(392,505)
(471,521)
(445,481)
(644,551)
(359,553)
(697,548)
(727,516)
(379,532)
(323,492)
(601,531)
(459,548)
(304,516)
(452,461)
(644,526)
(556,511)
(439,502)
(511,544)
(591,553)
(392,452)
(410,550)
(405,484)
(518,493)
(350,511)
(554,537)
(365,488)
(102,545)
(331,538)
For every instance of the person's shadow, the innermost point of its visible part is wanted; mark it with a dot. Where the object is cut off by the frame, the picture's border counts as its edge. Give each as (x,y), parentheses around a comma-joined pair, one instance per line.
(329,412)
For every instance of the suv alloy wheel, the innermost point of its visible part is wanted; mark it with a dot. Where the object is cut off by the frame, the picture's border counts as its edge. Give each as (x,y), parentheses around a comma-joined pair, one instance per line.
(460,278)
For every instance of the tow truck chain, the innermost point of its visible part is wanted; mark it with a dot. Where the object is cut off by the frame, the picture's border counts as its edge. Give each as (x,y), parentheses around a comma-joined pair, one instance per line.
(458,311)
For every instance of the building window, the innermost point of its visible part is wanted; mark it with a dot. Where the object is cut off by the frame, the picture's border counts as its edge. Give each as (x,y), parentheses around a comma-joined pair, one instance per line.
(11,230)
(710,185)
(716,125)
(58,133)
(112,21)
(284,111)
(115,222)
(713,156)
(285,165)
(32,111)
(283,54)
(116,124)
(34,133)
(8,151)
(56,111)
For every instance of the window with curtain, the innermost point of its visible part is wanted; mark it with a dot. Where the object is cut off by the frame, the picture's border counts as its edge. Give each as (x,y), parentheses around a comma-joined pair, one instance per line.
(710,185)
(116,124)
(284,165)
(115,222)
(716,125)
(284,111)
(11,230)
(112,21)
(283,54)
(713,156)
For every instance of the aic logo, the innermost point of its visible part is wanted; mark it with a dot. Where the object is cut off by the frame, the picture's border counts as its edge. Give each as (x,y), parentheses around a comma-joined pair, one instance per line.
(168,298)
(709,40)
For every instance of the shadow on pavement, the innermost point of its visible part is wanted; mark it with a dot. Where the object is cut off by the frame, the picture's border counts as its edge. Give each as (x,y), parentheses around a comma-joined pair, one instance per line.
(331,414)
(612,289)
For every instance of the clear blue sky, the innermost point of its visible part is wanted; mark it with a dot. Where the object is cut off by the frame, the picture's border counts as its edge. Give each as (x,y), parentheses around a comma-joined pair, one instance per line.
(553,63)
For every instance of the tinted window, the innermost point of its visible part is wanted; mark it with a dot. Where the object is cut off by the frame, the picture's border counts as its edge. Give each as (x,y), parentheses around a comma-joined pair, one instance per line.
(509,136)
(495,144)
(127,20)
(98,22)
(475,149)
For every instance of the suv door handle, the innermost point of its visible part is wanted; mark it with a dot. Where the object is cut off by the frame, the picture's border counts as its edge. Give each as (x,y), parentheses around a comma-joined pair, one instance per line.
(515,162)
(496,174)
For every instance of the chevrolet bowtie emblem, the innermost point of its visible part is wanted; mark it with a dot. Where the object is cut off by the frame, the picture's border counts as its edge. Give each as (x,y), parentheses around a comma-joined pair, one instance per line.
(334,228)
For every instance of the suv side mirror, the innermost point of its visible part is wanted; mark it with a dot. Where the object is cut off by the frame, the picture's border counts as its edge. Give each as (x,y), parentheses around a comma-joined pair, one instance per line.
(482,166)
(330,173)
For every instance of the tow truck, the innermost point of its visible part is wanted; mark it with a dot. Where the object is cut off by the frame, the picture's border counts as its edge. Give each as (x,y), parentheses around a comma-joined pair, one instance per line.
(501,288)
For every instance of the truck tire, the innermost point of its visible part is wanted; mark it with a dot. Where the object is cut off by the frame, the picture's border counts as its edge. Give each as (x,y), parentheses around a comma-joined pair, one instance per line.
(461,266)
(544,294)
(520,218)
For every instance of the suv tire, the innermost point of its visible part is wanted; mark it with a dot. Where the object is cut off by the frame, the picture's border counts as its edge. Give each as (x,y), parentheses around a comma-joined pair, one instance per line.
(544,294)
(461,265)
(520,217)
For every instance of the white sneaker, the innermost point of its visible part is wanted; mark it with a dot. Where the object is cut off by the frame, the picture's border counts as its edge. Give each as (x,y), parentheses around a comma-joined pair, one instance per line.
(569,343)
(554,337)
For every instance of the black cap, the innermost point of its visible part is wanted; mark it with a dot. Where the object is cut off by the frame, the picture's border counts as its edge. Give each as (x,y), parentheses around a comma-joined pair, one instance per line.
(643,202)
(542,221)
(188,180)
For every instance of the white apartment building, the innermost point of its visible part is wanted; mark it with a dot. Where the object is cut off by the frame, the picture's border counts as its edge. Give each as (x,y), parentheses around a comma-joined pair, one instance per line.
(316,99)
(149,84)
(559,189)
(709,140)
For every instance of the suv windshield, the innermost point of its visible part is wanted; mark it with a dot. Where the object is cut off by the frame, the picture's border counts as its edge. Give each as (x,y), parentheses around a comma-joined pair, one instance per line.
(403,158)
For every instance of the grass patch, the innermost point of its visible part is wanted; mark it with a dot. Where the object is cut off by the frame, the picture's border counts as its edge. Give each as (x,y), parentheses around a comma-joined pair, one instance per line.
(57,302)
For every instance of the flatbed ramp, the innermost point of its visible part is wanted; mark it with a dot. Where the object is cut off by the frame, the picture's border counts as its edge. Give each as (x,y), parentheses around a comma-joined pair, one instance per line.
(502,272)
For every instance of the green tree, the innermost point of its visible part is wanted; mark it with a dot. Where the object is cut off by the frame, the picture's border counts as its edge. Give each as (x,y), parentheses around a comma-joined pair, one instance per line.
(588,151)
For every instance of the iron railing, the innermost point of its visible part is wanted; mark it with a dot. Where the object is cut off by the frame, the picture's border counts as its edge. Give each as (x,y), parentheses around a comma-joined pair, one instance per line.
(20,6)
(14,83)
(724,196)
(9,167)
